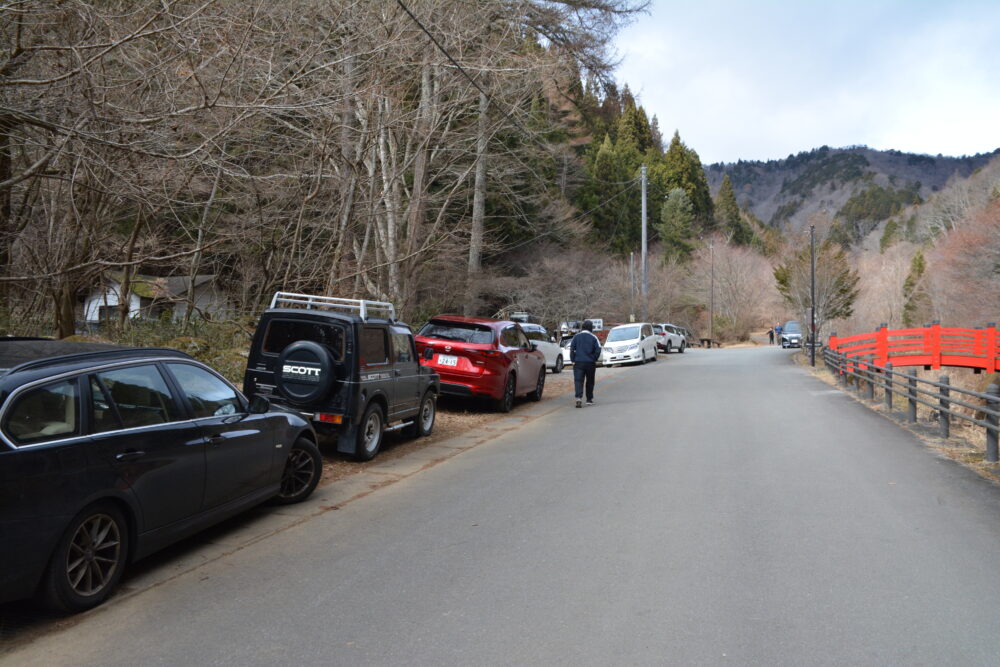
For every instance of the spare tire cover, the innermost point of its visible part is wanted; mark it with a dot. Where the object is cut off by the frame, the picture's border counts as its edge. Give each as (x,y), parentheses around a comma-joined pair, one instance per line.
(305,372)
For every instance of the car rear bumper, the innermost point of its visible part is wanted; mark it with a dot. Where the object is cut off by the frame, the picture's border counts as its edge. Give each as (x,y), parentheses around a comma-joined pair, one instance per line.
(468,388)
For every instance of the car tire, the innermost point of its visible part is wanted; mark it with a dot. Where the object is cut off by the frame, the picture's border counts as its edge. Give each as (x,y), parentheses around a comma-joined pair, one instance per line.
(302,472)
(656,355)
(95,545)
(536,395)
(506,401)
(371,430)
(423,423)
(681,348)
(669,344)
(560,364)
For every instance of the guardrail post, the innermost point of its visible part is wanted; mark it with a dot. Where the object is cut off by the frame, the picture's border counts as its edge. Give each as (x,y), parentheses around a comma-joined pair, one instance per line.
(870,388)
(992,405)
(842,368)
(911,393)
(888,386)
(944,419)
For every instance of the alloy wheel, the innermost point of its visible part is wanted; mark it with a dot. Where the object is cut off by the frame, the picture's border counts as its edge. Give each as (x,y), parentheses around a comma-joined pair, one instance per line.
(94,555)
(299,471)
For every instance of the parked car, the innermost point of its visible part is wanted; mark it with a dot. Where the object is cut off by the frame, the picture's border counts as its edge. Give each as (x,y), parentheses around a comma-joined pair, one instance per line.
(689,338)
(546,344)
(478,357)
(791,334)
(629,343)
(570,327)
(670,338)
(564,347)
(347,365)
(108,454)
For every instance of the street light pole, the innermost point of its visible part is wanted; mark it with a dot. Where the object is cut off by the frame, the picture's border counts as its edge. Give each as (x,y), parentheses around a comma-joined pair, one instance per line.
(812,296)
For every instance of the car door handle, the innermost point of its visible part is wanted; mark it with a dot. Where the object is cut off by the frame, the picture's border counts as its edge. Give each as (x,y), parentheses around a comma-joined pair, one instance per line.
(129,455)
(398,372)
(216,439)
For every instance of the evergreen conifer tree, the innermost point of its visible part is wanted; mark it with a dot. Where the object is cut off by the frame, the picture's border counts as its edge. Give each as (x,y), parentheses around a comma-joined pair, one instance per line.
(675,226)
(681,168)
(727,213)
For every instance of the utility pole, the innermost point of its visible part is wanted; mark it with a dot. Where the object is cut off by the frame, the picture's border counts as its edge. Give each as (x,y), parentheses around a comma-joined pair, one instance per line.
(711,298)
(812,296)
(645,268)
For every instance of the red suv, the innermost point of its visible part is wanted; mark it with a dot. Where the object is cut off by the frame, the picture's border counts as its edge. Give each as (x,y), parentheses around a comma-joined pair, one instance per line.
(479,357)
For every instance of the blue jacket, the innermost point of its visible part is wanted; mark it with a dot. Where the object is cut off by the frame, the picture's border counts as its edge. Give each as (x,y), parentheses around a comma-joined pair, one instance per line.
(585,348)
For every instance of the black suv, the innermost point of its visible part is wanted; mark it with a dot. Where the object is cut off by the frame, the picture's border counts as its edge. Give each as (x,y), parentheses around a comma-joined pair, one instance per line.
(109,453)
(345,364)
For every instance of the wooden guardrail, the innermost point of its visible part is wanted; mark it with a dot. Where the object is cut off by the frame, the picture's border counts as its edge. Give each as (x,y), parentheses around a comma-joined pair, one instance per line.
(941,397)
(933,346)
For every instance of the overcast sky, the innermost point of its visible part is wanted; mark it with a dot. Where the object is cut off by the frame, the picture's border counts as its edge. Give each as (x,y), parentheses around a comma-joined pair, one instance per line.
(760,79)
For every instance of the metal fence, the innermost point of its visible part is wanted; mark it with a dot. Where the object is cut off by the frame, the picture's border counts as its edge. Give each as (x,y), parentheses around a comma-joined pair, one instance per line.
(941,396)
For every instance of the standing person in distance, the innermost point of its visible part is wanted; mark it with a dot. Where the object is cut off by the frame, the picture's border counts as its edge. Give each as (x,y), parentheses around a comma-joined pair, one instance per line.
(777,331)
(584,352)
(770,336)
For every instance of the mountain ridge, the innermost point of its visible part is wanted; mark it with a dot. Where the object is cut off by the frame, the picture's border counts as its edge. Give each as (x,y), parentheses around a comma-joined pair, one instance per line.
(857,182)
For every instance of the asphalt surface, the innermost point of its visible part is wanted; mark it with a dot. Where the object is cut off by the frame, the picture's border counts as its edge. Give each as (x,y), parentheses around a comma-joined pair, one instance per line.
(717,507)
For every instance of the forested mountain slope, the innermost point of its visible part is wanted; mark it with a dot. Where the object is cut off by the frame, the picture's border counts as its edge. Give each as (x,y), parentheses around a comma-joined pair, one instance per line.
(859,185)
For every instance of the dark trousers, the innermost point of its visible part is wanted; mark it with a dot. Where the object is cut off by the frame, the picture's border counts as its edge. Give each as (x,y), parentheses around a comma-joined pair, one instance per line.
(584,371)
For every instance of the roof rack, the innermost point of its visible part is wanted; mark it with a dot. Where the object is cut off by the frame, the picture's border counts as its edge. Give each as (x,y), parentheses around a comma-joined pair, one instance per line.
(363,308)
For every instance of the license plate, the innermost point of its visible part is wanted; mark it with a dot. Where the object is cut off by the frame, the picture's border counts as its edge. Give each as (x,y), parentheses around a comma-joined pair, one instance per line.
(447,360)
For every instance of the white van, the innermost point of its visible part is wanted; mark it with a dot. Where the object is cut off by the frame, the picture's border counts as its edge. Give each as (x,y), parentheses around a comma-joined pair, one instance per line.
(629,343)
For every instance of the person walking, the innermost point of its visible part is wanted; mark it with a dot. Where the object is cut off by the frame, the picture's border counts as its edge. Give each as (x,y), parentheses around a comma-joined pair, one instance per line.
(770,336)
(777,331)
(584,352)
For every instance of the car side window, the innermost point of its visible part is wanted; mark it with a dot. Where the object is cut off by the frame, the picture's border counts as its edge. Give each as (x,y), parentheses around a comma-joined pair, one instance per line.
(141,395)
(523,340)
(49,412)
(509,337)
(374,350)
(209,396)
(402,347)
(102,413)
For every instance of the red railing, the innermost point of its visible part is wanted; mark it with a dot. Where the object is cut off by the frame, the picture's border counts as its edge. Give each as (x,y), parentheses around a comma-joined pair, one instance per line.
(934,346)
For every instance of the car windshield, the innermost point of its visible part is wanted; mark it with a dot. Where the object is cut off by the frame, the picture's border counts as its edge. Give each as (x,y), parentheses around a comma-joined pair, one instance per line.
(625,333)
(792,327)
(463,332)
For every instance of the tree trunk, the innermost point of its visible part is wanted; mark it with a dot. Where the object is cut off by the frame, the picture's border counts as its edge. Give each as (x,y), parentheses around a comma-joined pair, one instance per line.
(478,212)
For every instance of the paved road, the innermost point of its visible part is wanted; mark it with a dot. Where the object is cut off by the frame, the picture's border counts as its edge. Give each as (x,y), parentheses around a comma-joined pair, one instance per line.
(717,507)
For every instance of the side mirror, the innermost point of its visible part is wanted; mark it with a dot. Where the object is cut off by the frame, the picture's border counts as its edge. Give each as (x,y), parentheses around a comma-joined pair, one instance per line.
(533,344)
(259,404)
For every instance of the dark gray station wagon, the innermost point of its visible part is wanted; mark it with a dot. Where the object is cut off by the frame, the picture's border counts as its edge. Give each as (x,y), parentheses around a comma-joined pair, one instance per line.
(108,454)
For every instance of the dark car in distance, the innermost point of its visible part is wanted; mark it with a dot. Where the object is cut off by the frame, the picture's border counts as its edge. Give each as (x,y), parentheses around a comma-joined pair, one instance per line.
(110,453)
(477,357)
(791,334)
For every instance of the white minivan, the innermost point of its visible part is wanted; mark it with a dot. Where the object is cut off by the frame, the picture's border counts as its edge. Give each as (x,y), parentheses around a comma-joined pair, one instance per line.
(629,343)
